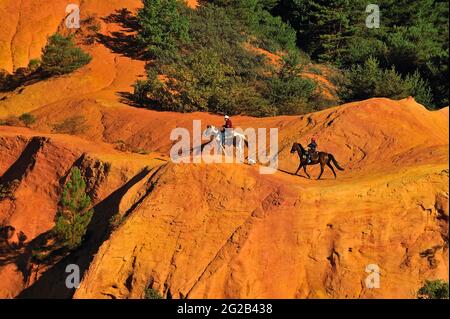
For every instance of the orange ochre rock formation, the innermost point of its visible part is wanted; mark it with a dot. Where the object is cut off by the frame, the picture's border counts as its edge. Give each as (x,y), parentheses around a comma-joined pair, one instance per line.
(211,230)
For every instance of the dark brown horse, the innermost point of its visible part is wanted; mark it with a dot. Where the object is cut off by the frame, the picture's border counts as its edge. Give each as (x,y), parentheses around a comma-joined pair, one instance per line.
(321,158)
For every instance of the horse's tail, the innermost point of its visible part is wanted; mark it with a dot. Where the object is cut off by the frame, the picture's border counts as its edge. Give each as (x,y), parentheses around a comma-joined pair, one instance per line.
(335,163)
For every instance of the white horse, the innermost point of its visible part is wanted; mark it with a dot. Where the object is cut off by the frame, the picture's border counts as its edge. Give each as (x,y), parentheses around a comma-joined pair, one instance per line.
(235,139)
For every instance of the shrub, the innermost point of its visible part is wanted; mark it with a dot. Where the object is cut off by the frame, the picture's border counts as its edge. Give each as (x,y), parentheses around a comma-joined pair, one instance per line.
(435,289)
(7,190)
(162,27)
(34,65)
(121,146)
(73,125)
(27,119)
(315,70)
(74,214)
(245,99)
(115,221)
(275,35)
(202,77)
(151,293)
(390,84)
(243,12)
(288,91)
(11,121)
(39,256)
(370,80)
(143,87)
(61,56)
(420,89)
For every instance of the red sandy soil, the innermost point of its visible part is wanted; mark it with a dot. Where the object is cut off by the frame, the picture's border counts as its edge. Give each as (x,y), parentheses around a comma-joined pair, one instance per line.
(217,230)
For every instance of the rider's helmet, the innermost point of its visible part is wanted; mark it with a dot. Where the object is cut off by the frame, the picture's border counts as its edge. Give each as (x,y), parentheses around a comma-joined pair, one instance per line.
(227,117)
(313,139)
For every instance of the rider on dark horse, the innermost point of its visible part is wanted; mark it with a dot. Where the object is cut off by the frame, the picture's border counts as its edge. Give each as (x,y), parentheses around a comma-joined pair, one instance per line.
(312,149)
(227,126)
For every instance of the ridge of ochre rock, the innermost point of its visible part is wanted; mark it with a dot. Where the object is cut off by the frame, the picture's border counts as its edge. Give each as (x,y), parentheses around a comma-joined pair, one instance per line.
(363,135)
(197,230)
(262,237)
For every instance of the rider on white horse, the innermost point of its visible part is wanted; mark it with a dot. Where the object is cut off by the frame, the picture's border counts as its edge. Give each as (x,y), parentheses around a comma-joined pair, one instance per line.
(224,137)
(227,128)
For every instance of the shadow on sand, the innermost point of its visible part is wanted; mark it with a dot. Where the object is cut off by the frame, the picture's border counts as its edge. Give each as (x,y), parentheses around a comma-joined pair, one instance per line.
(125,41)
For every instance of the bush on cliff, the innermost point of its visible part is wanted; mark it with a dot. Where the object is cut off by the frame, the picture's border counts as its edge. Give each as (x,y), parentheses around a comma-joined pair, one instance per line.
(74,214)
(435,289)
(151,293)
(61,56)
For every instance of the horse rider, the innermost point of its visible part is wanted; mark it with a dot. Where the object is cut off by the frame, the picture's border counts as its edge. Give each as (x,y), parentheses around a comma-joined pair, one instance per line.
(227,126)
(312,148)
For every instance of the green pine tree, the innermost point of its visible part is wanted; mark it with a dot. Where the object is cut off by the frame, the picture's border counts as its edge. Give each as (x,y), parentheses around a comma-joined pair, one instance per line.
(74,214)
(413,37)
(162,27)
(324,27)
(61,56)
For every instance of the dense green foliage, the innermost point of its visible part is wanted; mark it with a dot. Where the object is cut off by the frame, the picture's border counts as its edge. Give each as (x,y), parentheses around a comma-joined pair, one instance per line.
(369,80)
(412,38)
(163,28)
(74,214)
(61,56)
(208,63)
(436,289)
(207,59)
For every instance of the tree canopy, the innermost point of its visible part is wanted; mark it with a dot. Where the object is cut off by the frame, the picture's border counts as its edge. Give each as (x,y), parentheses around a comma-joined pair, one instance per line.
(200,59)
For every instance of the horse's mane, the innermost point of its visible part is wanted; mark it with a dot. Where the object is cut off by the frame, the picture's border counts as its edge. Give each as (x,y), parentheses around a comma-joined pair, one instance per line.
(300,146)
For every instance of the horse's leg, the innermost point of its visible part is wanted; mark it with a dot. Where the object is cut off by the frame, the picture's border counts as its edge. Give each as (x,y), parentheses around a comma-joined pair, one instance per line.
(299,167)
(304,168)
(202,147)
(321,171)
(240,151)
(332,169)
(223,144)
